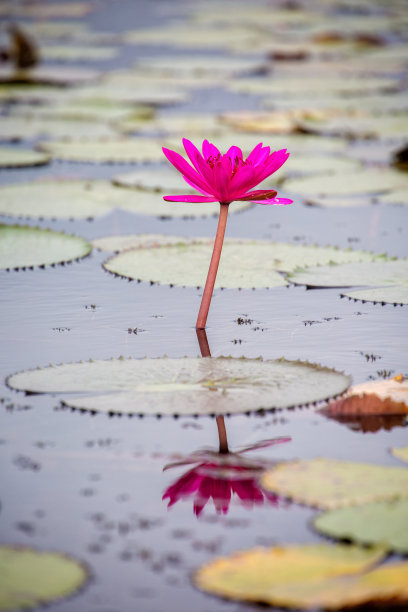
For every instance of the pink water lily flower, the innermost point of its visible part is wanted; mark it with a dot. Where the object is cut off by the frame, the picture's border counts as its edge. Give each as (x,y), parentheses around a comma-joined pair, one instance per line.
(229,177)
(225,179)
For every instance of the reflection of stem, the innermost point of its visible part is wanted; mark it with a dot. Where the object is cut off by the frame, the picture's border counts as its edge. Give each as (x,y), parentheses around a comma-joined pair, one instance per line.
(222,434)
(212,271)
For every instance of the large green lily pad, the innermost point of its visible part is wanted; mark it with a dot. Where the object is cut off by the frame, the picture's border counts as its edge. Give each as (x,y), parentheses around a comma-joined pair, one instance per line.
(200,64)
(118,244)
(17,158)
(184,386)
(244,264)
(25,247)
(48,75)
(64,199)
(105,151)
(306,577)
(157,178)
(390,276)
(384,127)
(198,125)
(330,483)
(401,453)
(79,110)
(30,578)
(72,53)
(383,523)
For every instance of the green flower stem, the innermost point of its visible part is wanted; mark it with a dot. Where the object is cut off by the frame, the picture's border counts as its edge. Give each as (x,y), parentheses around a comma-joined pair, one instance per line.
(212,271)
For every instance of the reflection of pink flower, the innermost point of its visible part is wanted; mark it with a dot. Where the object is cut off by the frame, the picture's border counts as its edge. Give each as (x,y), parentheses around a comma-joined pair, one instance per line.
(228,177)
(209,480)
(219,475)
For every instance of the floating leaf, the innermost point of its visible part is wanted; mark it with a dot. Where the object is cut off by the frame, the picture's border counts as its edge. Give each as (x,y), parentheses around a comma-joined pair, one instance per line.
(48,75)
(202,125)
(118,244)
(398,196)
(184,386)
(79,110)
(306,577)
(329,483)
(17,158)
(245,264)
(401,453)
(22,128)
(200,64)
(23,246)
(392,274)
(127,93)
(384,127)
(63,199)
(368,181)
(161,179)
(30,578)
(72,53)
(380,523)
(105,151)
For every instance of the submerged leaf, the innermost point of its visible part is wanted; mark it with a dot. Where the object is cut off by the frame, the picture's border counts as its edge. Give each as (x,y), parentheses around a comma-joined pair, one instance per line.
(184,386)
(30,578)
(330,483)
(24,246)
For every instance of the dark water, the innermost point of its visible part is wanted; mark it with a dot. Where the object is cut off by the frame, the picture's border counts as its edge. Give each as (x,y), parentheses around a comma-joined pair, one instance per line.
(91,487)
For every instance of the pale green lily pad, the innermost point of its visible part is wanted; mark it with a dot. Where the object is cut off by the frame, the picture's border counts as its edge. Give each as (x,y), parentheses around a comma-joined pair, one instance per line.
(384,127)
(17,158)
(369,181)
(25,247)
(244,264)
(320,164)
(401,453)
(22,128)
(378,104)
(127,93)
(201,65)
(30,578)
(391,274)
(307,577)
(381,523)
(65,199)
(103,110)
(26,93)
(158,178)
(184,125)
(331,483)
(105,151)
(184,386)
(309,87)
(397,294)
(117,244)
(48,75)
(72,53)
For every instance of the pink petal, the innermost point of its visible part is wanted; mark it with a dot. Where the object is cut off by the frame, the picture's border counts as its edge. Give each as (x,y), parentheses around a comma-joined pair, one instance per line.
(189,198)
(233,152)
(209,150)
(244,179)
(192,152)
(186,170)
(275,161)
(253,156)
(195,186)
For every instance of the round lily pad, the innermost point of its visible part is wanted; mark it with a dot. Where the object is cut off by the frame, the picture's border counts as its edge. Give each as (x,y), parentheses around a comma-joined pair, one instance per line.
(200,64)
(105,151)
(18,158)
(25,247)
(184,386)
(367,181)
(384,127)
(137,241)
(73,53)
(244,264)
(93,110)
(30,578)
(391,276)
(329,483)
(157,178)
(127,93)
(64,199)
(21,128)
(202,125)
(381,523)
(306,577)
(48,75)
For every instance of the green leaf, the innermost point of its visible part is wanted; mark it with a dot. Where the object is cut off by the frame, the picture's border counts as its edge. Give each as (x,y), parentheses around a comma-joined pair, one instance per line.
(244,264)
(30,578)
(401,453)
(105,151)
(184,386)
(21,128)
(23,246)
(382,523)
(330,483)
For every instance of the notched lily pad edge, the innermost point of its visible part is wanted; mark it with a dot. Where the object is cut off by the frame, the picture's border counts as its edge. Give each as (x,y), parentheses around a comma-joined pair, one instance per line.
(65,406)
(55,263)
(375,303)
